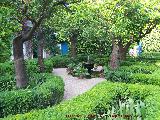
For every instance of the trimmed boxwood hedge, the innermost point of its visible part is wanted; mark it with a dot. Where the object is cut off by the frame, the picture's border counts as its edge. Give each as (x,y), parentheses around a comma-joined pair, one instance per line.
(103,95)
(153,79)
(45,93)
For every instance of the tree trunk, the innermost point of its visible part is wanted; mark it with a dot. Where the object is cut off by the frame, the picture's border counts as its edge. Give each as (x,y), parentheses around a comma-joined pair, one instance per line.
(124,49)
(73,40)
(21,76)
(114,61)
(40,51)
(119,53)
(122,53)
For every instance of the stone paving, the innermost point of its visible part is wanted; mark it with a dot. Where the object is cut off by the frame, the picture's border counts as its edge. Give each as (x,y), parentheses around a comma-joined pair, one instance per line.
(75,86)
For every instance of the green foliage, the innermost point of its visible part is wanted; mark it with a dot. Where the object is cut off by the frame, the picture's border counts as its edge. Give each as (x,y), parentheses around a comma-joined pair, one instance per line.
(8,26)
(93,58)
(145,78)
(144,70)
(84,17)
(58,61)
(7,82)
(151,43)
(116,76)
(84,106)
(121,108)
(80,71)
(101,61)
(6,67)
(131,18)
(44,90)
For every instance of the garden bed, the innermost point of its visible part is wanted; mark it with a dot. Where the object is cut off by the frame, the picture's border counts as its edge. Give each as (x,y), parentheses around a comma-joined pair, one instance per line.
(42,95)
(83,107)
(43,89)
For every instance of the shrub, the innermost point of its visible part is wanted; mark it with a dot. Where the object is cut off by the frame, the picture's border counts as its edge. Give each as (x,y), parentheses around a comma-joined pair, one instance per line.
(7,82)
(101,61)
(32,66)
(6,67)
(60,61)
(141,72)
(116,75)
(143,68)
(145,78)
(83,106)
(48,65)
(46,92)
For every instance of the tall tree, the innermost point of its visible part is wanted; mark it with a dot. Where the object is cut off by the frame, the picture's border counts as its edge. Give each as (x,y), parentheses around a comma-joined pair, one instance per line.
(129,22)
(82,28)
(28,11)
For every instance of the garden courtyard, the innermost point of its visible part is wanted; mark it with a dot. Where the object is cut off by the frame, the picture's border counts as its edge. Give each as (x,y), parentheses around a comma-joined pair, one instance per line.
(80,60)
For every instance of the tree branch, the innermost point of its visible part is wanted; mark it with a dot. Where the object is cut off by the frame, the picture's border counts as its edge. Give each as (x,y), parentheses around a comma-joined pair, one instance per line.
(43,15)
(129,43)
(35,26)
(149,29)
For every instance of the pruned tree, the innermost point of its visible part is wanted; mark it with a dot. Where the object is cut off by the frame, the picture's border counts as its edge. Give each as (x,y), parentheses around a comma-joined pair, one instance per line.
(82,28)
(33,12)
(129,22)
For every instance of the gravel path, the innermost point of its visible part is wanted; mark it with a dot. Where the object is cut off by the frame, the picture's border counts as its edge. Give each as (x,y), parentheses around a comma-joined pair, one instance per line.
(75,86)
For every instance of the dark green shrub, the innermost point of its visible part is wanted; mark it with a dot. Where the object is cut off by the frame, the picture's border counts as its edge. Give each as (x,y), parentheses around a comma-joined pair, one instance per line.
(48,65)
(6,67)
(116,75)
(123,73)
(102,95)
(46,92)
(60,61)
(32,66)
(7,82)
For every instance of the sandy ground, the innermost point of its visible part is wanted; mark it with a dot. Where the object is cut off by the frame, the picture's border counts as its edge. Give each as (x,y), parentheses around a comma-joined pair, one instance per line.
(75,86)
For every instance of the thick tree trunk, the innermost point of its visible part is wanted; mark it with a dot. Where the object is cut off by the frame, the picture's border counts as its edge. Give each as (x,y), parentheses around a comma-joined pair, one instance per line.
(114,60)
(40,52)
(21,76)
(122,52)
(73,40)
(118,54)
(124,49)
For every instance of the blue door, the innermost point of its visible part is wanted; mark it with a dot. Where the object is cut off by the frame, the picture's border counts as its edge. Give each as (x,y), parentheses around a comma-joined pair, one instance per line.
(64,48)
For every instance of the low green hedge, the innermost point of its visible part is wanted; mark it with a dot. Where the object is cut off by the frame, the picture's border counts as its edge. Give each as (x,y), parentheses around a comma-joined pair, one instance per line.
(142,68)
(8,82)
(103,94)
(45,93)
(123,73)
(145,78)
